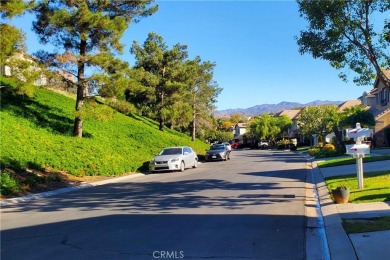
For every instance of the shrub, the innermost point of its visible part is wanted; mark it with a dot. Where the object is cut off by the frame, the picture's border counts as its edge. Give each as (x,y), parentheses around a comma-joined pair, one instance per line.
(322,153)
(314,151)
(123,107)
(329,147)
(8,184)
(282,144)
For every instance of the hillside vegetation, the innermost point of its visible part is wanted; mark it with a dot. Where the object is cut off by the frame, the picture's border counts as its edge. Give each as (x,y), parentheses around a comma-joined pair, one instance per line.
(36,133)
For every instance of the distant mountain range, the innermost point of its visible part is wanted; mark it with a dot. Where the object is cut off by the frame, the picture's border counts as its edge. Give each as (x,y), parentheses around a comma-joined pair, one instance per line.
(272,108)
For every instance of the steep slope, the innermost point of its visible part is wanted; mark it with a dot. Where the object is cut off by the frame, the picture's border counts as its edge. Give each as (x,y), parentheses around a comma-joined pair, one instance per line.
(36,133)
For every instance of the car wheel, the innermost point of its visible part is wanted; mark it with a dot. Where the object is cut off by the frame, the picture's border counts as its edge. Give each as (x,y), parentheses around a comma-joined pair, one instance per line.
(182,166)
(195,164)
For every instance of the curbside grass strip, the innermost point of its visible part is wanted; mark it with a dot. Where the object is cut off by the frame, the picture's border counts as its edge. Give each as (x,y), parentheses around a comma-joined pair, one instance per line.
(66,190)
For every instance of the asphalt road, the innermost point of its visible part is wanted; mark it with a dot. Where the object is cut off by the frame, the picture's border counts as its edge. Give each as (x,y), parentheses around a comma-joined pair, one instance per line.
(250,207)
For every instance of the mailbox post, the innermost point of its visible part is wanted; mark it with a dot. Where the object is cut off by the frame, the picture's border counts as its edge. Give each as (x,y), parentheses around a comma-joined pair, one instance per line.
(358,150)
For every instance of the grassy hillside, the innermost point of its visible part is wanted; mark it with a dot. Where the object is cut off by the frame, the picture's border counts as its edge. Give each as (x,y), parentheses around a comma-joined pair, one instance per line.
(36,134)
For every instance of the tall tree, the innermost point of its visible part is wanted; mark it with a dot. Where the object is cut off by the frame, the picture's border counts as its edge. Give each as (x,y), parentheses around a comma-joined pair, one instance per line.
(161,68)
(267,126)
(12,8)
(12,39)
(357,114)
(12,43)
(317,120)
(201,88)
(343,33)
(87,34)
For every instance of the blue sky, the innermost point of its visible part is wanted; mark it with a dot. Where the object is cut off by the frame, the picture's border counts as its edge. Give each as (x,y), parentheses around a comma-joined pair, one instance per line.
(252,44)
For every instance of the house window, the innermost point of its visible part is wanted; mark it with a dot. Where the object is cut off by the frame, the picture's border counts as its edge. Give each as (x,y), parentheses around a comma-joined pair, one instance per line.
(384,96)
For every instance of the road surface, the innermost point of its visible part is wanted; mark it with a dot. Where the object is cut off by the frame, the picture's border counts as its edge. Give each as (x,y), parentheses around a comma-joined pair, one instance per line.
(250,207)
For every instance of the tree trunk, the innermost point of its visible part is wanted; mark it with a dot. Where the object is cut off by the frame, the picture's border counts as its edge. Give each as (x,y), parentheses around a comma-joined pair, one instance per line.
(78,122)
(193,127)
(193,130)
(161,124)
(161,117)
(338,137)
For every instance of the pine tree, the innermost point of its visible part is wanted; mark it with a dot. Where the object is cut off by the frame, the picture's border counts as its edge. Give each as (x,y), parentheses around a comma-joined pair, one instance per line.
(87,35)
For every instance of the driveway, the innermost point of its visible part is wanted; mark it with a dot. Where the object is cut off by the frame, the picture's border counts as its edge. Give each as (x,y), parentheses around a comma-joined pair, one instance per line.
(251,207)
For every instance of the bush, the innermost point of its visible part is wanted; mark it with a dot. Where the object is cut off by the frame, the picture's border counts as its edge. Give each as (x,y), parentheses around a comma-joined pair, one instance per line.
(329,147)
(314,151)
(323,153)
(283,144)
(8,184)
(123,107)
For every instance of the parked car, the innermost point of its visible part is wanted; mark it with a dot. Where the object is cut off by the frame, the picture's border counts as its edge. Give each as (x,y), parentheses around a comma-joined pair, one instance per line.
(174,159)
(235,145)
(263,144)
(217,152)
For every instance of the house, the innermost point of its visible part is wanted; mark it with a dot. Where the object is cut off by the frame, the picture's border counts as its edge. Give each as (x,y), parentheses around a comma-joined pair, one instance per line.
(13,70)
(378,99)
(239,132)
(293,131)
(347,104)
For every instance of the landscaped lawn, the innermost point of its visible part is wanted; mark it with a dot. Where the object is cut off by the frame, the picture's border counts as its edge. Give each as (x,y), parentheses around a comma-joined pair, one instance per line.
(303,148)
(346,161)
(376,186)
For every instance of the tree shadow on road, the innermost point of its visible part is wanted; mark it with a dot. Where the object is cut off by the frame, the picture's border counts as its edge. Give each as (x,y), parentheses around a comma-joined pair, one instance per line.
(168,196)
(126,236)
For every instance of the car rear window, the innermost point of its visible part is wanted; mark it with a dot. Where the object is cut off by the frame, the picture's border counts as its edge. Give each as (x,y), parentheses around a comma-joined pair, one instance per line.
(170,151)
(217,147)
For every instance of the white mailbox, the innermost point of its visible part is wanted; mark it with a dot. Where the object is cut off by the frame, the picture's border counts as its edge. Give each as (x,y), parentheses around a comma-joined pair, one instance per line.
(358,149)
(362,132)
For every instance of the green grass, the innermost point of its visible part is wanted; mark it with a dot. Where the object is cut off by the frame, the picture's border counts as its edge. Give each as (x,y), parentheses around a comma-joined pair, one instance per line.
(36,133)
(347,161)
(366,225)
(376,186)
(303,148)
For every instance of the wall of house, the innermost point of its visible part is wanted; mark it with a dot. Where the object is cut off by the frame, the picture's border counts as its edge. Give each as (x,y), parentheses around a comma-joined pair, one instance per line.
(382,101)
(379,101)
(382,131)
(239,130)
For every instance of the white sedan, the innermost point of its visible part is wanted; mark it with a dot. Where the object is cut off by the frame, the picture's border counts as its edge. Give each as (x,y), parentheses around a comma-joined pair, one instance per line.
(174,159)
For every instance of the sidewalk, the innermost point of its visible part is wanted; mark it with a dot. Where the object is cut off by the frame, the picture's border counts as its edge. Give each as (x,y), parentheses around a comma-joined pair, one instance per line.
(351,169)
(362,246)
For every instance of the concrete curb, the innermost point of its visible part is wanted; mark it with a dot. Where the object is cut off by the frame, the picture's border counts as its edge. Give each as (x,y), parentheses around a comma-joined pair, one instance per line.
(316,242)
(66,190)
(340,246)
